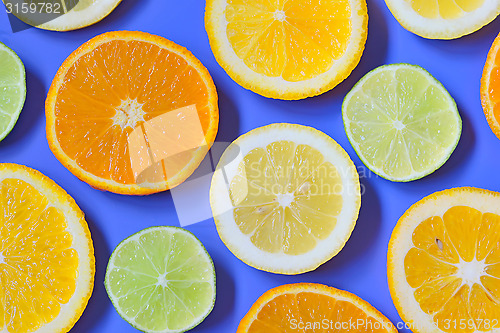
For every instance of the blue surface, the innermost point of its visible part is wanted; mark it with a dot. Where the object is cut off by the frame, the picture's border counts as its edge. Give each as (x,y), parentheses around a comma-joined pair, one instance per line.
(361,266)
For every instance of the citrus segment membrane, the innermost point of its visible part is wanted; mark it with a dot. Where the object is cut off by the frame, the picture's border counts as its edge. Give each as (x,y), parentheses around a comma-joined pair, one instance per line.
(401,121)
(46,254)
(449,264)
(285,198)
(161,280)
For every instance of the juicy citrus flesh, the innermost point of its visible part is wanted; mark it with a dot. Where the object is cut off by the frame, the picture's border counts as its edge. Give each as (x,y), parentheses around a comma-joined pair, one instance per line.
(293,197)
(276,38)
(162,280)
(402,122)
(285,198)
(444,262)
(39,265)
(446,9)
(12,89)
(287,49)
(490,88)
(313,306)
(113,84)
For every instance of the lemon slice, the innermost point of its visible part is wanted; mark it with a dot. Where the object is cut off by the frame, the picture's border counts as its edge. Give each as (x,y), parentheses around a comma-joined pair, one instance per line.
(63,15)
(285,198)
(444,19)
(287,49)
(444,262)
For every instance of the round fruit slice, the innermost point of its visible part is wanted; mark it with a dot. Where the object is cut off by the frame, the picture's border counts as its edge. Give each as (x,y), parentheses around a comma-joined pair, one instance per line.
(61,15)
(287,49)
(444,19)
(490,88)
(311,307)
(47,260)
(444,262)
(12,89)
(402,122)
(161,279)
(285,198)
(120,83)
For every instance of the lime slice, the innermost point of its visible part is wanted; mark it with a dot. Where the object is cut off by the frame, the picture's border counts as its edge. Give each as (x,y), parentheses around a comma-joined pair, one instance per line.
(161,279)
(12,89)
(402,122)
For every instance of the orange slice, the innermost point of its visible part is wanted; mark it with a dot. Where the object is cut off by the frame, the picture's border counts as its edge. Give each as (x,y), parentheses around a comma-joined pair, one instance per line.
(490,87)
(112,85)
(310,307)
(444,263)
(47,260)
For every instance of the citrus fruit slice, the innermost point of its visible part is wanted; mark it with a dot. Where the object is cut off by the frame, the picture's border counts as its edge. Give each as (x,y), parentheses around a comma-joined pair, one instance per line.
(402,122)
(60,15)
(490,87)
(311,307)
(287,49)
(444,19)
(444,262)
(161,279)
(46,254)
(12,89)
(110,86)
(285,198)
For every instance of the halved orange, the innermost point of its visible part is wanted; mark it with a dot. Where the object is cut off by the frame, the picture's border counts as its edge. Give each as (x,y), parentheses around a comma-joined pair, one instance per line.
(490,87)
(311,307)
(47,260)
(444,263)
(113,84)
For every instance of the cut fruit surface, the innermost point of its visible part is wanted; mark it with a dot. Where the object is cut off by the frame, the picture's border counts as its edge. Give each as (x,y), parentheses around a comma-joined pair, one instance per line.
(63,15)
(47,260)
(285,198)
(161,280)
(12,89)
(310,307)
(402,122)
(444,19)
(490,88)
(287,49)
(443,262)
(112,85)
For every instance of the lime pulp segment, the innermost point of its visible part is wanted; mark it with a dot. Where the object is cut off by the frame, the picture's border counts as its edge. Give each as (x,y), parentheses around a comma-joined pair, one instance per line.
(12,89)
(401,121)
(161,280)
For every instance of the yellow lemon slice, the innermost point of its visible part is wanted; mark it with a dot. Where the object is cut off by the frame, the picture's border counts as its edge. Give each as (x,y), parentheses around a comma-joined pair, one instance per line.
(287,49)
(444,262)
(46,255)
(444,19)
(285,198)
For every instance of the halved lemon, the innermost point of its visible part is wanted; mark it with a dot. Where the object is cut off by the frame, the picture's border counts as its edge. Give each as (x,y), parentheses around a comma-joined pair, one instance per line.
(287,49)
(60,15)
(311,307)
(47,260)
(444,19)
(444,262)
(285,198)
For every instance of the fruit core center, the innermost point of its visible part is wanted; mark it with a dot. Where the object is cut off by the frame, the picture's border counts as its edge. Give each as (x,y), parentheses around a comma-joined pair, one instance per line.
(279,15)
(162,281)
(2,258)
(128,114)
(398,125)
(285,199)
(471,271)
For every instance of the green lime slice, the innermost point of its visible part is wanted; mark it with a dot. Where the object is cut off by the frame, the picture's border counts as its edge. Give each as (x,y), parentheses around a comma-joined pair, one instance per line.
(161,279)
(402,122)
(12,89)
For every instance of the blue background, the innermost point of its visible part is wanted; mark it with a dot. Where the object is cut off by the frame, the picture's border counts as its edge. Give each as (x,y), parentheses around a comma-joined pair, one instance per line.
(361,266)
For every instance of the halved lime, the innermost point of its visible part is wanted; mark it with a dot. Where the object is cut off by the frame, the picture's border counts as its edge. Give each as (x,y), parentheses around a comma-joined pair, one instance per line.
(161,279)
(12,89)
(402,122)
